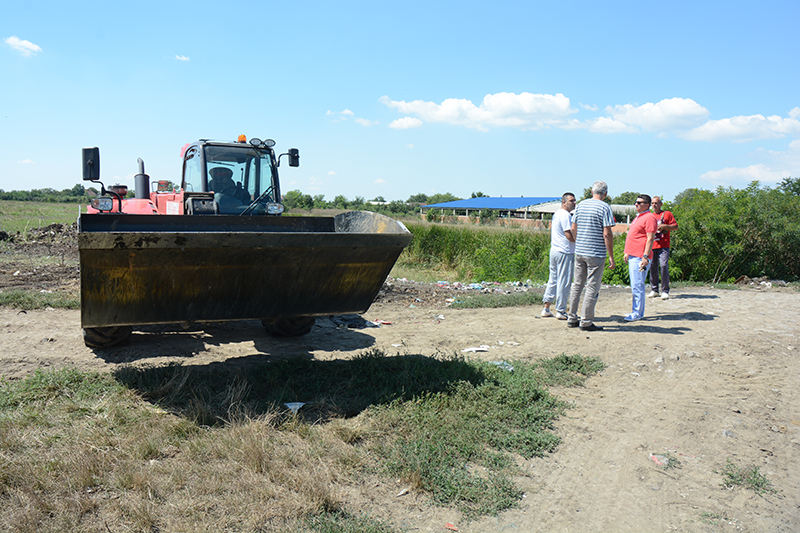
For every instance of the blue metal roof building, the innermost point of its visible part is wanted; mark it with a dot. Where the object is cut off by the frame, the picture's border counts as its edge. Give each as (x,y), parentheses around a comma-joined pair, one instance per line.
(501,203)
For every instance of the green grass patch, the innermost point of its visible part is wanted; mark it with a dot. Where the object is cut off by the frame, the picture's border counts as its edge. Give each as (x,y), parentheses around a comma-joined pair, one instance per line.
(749,477)
(515,299)
(479,253)
(16,216)
(212,449)
(28,299)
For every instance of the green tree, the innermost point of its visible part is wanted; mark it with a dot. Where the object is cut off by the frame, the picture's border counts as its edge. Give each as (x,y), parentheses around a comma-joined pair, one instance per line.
(479,194)
(626,198)
(340,202)
(297,200)
(441,198)
(731,232)
(790,185)
(419,198)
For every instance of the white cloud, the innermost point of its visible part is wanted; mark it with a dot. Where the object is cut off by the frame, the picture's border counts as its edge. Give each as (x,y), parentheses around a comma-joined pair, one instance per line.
(26,162)
(410,146)
(588,107)
(182,58)
(747,128)
(331,173)
(609,125)
(405,123)
(732,176)
(524,111)
(26,48)
(345,115)
(667,115)
(380,181)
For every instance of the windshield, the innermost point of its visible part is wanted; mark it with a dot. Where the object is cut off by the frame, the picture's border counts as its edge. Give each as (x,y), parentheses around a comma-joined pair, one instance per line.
(239,175)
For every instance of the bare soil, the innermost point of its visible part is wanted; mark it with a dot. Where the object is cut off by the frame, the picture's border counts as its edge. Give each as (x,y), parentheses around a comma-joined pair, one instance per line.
(708,375)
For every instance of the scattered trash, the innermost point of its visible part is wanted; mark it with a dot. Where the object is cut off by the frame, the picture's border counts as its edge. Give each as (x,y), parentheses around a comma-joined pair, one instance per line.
(660,460)
(403,492)
(503,365)
(450,526)
(294,406)
(381,322)
(397,345)
(727,433)
(481,348)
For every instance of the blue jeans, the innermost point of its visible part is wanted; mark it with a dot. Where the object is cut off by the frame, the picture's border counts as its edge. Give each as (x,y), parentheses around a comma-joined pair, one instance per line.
(638,285)
(561,267)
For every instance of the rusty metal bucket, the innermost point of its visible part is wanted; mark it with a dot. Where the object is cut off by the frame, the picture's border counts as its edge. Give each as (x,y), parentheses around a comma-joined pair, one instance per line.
(160,269)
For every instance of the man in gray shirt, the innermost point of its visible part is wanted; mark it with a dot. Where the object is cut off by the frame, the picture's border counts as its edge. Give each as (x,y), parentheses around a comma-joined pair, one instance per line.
(591,228)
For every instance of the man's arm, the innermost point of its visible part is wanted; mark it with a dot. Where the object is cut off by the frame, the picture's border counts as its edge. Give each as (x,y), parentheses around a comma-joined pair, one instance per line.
(574,232)
(608,236)
(648,246)
(568,235)
(673,225)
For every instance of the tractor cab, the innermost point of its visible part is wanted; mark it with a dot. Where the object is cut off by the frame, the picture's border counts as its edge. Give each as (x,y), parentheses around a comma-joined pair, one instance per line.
(242,176)
(229,178)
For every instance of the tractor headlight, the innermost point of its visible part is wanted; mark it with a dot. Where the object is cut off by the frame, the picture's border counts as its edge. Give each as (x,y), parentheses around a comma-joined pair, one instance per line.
(103,203)
(274,208)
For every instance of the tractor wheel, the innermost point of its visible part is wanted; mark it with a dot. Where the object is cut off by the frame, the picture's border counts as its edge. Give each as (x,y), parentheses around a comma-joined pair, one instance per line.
(290,327)
(106,337)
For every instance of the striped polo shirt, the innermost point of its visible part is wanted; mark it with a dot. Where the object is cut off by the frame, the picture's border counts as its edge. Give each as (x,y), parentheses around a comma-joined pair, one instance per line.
(591,216)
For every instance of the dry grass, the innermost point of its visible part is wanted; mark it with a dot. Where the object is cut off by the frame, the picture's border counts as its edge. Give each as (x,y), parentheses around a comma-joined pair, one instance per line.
(119,464)
(179,449)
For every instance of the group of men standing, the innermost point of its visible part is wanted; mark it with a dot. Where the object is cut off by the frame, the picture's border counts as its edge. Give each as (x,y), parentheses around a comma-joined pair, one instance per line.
(582,239)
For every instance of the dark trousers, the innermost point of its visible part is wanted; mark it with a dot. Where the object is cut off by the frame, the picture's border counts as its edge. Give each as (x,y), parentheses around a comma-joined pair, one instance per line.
(660,267)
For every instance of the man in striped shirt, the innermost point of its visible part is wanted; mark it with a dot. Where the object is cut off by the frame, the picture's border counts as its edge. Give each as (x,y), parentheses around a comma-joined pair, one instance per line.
(591,228)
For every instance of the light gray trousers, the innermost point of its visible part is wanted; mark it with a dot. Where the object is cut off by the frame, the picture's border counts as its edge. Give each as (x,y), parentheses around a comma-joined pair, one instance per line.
(588,272)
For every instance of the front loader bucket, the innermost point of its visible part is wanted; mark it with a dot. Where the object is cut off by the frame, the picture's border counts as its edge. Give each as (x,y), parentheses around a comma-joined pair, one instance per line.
(161,269)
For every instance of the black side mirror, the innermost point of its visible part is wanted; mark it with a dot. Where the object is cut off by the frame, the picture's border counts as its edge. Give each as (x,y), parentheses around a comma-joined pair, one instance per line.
(91,164)
(294,157)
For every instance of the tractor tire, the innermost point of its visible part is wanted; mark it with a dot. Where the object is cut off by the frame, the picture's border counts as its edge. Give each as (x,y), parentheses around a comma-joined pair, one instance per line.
(106,337)
(290,327)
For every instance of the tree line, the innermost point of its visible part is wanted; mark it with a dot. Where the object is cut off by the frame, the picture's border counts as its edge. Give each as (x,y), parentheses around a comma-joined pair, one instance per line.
(73,195)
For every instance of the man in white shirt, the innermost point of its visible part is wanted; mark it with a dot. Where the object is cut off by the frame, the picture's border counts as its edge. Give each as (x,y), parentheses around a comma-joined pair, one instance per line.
(562,259)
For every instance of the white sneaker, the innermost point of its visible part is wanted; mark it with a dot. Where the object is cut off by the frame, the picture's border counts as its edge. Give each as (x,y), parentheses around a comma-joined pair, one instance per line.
(665,296)
(561,316)
(653,294)
(546,312)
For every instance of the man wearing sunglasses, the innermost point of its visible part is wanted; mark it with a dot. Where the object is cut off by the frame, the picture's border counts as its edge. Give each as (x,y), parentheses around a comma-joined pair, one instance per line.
(639,252)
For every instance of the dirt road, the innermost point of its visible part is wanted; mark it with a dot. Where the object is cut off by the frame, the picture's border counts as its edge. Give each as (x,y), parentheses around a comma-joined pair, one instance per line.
(709,375)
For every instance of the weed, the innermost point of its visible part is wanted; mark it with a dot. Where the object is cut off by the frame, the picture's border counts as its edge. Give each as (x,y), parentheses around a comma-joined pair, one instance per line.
(748,477)
(27,300)
(516,299)
(213,451)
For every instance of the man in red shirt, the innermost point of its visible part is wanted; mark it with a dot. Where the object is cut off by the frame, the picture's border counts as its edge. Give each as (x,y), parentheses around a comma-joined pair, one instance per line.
(666,224)
(638,252)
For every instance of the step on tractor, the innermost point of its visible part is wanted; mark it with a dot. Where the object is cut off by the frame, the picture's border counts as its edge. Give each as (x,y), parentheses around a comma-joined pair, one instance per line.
(217,248)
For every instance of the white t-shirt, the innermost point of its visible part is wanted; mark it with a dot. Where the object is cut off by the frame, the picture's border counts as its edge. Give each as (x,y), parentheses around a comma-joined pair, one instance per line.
(562,221)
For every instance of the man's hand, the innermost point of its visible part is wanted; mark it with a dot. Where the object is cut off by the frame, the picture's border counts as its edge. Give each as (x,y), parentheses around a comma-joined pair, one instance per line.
(611,263)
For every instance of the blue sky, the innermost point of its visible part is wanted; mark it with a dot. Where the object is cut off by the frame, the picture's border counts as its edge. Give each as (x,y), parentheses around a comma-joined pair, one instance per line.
(398,98)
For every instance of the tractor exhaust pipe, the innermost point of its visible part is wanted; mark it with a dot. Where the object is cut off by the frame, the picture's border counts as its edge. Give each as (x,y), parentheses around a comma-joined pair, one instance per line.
(142,182)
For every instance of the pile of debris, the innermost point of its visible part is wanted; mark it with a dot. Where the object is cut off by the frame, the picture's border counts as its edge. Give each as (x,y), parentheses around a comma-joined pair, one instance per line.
(760,283)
